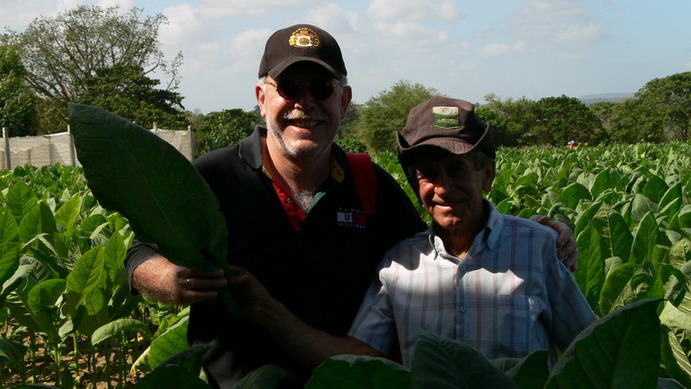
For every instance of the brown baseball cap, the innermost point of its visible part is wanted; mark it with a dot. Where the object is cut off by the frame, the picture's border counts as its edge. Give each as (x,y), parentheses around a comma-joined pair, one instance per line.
(447,123)
(301,42)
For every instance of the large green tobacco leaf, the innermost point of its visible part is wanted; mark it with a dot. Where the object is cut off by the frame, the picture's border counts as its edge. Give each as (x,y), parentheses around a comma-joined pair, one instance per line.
(644,239)
(591,266)
(616,238)
(172,377)
(532,371)
(171,342)
(119,326)
(359,372)
(621,350)
(144,178)
(265,377)
(443,363)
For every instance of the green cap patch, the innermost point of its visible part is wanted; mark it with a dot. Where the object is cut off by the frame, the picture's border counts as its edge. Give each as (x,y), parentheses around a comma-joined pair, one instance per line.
(446,117)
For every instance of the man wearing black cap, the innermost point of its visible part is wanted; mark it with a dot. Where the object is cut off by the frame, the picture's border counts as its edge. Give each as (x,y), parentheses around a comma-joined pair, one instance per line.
(490,280)
(296,216)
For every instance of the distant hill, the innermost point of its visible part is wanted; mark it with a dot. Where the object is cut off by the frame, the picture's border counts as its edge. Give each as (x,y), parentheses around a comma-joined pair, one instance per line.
(606,97)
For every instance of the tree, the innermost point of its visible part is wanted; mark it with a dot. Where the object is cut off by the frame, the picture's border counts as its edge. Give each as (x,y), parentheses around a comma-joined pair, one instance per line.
(561,119)
(220,129)
(382,116)
(17,103)
(62,53)
(126,91)
(669,98)
(632,122)
(512,120)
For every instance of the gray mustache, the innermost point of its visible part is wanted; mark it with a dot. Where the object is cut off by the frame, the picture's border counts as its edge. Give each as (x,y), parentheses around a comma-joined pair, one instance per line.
(298,114)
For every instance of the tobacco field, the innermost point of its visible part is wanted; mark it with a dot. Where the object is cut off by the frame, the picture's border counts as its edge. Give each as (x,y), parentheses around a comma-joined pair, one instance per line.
(68,320)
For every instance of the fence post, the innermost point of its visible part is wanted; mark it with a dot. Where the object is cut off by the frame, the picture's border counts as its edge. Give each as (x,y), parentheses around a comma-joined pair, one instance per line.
(73,157)
(191,136)
(8,158)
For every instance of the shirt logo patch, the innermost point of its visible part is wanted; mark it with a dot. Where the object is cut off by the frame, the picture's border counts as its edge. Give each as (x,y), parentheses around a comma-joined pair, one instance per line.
(351,218)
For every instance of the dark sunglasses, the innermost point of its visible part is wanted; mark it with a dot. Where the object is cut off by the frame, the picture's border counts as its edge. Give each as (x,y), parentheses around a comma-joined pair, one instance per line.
(320,90)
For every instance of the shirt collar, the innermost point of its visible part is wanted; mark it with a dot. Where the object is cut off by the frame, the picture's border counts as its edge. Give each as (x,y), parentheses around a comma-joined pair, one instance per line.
(488,236)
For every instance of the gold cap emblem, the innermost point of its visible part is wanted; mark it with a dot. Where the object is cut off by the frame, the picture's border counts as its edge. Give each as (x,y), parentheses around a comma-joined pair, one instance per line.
(304,37)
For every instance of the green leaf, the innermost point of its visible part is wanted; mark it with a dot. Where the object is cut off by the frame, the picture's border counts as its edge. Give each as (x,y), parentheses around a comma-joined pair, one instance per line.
(166,201)
(445,363)
(37,220)
(41,302)
(616,238)
(672,194)
(9,261)
(655,188)
(641,205)
(590,275)
(9,230)
(614,285)
(621,350)
(120,326)
(11,352)
(68,213)
(675,335)
(573,194)
(359,372)
(265,377)
(20,199)
(169,343)
(171,377)
(644,239)
(86,279)
(532,371)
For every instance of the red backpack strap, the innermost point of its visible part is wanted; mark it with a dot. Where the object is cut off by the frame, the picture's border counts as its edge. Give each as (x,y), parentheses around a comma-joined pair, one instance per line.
(364,180)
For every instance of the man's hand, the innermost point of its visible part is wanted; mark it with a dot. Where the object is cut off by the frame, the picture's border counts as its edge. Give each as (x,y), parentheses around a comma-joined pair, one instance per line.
(252,299)
(566,244)
(163,281)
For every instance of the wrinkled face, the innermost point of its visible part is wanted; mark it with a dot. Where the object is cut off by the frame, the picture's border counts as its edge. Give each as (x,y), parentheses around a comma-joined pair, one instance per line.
(302,117)
(450,188)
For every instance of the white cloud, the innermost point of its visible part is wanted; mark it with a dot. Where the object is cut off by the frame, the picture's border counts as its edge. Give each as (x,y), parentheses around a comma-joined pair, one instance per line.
(501,49)
(406,10)
(564,22)
(333,18)
(124,5)
(223,8)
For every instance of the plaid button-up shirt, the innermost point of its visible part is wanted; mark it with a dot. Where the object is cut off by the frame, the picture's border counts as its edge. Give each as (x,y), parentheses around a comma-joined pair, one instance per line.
(507,297)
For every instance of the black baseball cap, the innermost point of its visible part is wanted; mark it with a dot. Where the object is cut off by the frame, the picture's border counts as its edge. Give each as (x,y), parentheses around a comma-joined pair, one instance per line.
(447,123)
(301,42)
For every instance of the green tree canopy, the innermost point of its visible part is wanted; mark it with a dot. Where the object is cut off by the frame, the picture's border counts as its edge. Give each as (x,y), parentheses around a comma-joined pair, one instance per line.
(220,129)
(382,116)
(126,91)
(561,119)
(512,119)
(62,54)
(669,98)
(17,103)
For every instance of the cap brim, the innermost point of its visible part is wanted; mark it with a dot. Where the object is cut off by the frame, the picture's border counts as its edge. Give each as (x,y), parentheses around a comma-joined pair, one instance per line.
(276,71)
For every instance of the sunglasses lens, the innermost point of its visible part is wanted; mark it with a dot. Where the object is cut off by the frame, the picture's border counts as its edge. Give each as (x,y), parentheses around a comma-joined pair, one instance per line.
(289,90)
(320,90)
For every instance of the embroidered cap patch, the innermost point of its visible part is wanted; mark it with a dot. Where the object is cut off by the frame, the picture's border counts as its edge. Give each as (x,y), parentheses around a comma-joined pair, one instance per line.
(446,117)
(304,37)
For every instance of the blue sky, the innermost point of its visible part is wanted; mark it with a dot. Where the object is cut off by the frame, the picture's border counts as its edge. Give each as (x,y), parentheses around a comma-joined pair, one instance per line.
(464,49)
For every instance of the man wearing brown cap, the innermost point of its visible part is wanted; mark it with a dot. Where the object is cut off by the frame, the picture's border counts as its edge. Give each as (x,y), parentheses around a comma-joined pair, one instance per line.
(297,215)
(490,280)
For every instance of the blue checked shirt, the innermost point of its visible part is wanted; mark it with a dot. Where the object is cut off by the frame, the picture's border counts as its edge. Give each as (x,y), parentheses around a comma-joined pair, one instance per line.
(507,297)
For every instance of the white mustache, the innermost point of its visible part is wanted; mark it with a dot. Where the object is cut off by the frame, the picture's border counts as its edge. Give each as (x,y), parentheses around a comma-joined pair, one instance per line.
(298,114)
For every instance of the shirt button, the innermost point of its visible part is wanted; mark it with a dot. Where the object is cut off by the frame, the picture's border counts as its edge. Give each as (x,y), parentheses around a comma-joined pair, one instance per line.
(463,309)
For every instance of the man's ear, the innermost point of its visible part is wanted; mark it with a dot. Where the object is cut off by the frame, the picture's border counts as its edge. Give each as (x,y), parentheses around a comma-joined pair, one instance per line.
(261,98)
(490,172)
(346,97)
